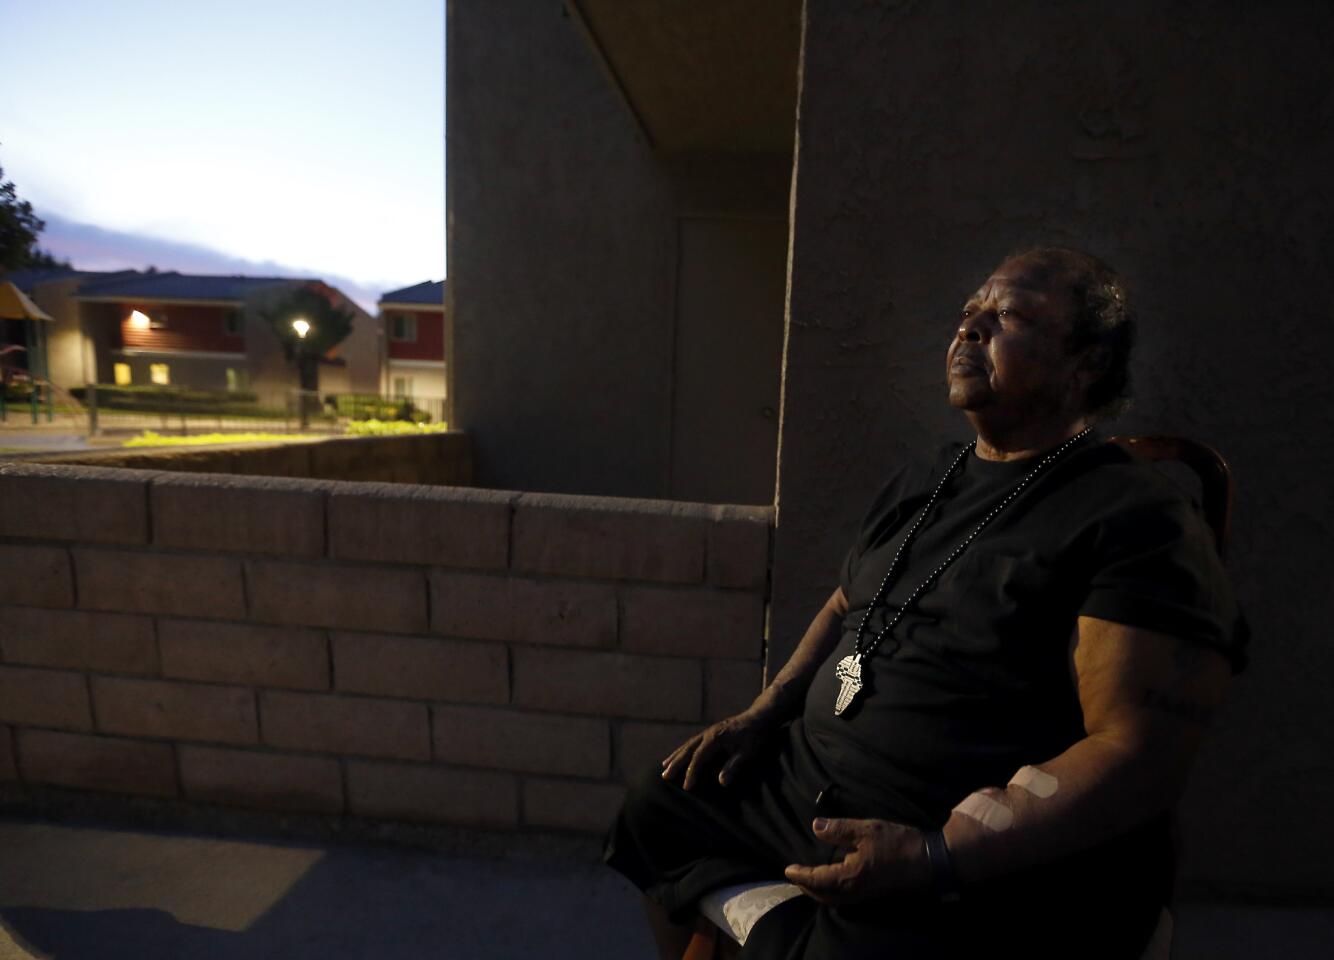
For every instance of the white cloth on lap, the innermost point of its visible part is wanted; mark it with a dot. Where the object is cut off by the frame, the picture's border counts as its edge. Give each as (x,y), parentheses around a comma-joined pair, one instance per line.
(735,910)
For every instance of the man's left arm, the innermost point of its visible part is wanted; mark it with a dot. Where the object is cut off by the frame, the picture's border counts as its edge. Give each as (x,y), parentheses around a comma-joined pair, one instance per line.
(1147,700)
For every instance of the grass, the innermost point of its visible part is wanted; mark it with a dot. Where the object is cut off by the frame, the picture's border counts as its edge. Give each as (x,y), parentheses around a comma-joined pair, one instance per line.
(151,439)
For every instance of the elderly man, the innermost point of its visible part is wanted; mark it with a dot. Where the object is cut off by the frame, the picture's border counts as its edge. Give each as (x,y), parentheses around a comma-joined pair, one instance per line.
(977,743)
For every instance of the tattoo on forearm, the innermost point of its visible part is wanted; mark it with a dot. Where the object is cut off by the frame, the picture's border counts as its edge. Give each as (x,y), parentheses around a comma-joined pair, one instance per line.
(1178,707)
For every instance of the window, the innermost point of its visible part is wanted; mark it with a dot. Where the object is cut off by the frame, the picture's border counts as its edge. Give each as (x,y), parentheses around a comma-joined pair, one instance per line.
(238,379)
(234,324)
(402,326)
(122,374)
(402,386)
(157,320)
(157,372)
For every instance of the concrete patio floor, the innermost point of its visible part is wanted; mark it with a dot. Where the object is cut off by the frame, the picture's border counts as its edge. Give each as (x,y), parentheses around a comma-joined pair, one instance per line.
(79,892)
(75,892)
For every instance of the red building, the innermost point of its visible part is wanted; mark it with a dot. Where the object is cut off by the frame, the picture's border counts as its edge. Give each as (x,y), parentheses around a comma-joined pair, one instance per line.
(416,327)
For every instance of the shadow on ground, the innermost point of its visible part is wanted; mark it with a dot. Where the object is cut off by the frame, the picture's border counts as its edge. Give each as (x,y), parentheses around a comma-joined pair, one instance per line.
(73,893)
(78,893)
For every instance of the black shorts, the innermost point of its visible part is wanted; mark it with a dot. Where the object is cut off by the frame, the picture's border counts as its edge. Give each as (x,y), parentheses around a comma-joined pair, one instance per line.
(677,845)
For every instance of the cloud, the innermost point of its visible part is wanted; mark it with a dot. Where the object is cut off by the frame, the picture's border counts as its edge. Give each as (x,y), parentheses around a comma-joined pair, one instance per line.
(90,247)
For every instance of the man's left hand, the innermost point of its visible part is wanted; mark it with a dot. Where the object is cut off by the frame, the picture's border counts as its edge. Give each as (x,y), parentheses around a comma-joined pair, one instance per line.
(883,858)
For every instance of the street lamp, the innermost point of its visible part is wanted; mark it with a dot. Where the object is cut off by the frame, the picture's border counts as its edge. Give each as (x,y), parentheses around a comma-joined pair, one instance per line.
(302,327)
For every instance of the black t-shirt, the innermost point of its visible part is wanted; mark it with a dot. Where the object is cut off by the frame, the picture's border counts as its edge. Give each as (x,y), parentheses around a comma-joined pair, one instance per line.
(975,681)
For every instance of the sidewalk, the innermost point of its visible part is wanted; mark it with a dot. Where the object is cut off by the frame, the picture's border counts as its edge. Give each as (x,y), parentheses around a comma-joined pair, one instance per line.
(77,893)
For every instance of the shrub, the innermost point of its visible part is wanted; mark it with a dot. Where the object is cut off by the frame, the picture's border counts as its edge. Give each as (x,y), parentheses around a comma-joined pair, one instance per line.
(168,398)
(384,428)
(370,406)
(151,439)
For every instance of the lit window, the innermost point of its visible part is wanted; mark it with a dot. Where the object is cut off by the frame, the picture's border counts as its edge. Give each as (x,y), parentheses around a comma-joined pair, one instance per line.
(402,326)
(237,379)
(122,374)
(157,372)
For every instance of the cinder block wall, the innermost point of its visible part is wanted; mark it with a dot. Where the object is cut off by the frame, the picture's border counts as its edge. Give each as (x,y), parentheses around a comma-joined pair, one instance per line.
(458,656)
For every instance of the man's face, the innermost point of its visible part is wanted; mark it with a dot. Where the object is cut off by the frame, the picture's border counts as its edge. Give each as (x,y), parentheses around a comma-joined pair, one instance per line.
(1008,357)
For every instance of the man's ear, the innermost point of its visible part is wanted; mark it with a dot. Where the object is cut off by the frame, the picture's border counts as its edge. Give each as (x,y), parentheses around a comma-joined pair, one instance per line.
(1092,365)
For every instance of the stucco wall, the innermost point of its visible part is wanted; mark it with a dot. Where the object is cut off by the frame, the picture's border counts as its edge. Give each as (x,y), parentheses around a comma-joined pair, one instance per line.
(362,348)
(1189,145)
(562,255)
(70,361)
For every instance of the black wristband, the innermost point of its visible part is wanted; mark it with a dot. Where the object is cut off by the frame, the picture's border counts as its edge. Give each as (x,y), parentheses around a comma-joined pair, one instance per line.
(943,878)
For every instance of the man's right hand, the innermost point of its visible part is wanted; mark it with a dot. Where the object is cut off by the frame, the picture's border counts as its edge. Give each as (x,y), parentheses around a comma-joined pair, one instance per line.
(733,741)
(729,742)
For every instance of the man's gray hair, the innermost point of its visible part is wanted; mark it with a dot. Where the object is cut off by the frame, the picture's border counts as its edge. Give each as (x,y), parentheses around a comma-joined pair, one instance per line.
(1103,322)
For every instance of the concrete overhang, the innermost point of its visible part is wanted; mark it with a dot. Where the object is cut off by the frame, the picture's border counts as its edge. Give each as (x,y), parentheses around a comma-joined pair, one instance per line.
(719,76)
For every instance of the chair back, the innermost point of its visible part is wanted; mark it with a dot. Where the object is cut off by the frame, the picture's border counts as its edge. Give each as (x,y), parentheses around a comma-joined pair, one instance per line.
(1207,463)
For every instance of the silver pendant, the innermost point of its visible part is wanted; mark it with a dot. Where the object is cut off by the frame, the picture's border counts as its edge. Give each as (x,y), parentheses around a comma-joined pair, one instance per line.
(849,673)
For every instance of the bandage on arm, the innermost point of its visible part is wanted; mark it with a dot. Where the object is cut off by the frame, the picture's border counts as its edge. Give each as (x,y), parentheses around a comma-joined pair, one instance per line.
(1147,700)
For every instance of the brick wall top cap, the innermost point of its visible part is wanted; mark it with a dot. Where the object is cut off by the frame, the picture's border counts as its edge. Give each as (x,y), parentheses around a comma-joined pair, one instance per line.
(575,503)
(401,437)
(242,482)
(72,471)
(91,504)
(427,492)
(715,512)
(151,458)
(239,482)
(736,512)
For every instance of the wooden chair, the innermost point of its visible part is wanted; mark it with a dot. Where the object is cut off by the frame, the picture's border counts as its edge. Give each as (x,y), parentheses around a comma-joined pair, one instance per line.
(718,935)
(1208,464)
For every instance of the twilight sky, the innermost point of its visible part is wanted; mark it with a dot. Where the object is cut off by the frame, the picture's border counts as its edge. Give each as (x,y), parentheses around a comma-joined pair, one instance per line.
(287,137)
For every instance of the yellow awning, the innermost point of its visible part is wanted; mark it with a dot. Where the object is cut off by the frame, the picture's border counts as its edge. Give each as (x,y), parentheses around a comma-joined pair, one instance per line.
(15,305)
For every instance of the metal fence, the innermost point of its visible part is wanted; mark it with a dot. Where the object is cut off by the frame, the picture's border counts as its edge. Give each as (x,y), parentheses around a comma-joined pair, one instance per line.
(38,399)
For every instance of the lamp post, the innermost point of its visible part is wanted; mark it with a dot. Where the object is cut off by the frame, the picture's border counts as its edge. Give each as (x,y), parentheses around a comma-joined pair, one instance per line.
(301,326)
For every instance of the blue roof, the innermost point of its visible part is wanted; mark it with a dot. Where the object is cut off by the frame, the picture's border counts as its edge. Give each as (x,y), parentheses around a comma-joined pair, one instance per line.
(429,293)
(178,286)
(26,280)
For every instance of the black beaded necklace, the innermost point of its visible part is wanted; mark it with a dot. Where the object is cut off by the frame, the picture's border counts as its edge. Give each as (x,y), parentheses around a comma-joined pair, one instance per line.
(849,669)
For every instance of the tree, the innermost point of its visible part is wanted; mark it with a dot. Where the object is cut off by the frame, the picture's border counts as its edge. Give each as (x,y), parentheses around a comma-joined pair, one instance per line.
(19,228)
(328,323)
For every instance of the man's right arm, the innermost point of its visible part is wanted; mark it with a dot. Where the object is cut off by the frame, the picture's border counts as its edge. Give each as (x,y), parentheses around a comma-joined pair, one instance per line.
(732,741)
(786,695)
